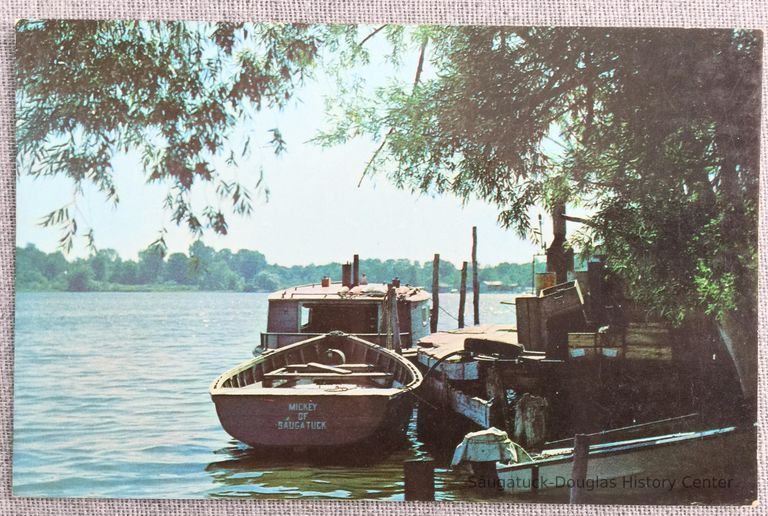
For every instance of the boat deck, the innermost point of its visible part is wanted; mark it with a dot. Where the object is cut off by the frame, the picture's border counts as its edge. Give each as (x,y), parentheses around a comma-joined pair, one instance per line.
(438,345)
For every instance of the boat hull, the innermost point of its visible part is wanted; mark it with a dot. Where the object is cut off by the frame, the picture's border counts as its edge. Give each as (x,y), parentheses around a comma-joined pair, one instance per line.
(334,390)
(321,421)
(717,461)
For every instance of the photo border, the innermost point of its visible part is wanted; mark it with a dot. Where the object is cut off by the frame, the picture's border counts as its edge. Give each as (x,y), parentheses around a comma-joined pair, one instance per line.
(750,14)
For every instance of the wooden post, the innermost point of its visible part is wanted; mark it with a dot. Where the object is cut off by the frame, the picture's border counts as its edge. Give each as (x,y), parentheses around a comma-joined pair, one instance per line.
(559,259)
(579,472)
(487,478)
(435,293)
(394,319)
(475,281)
(530,421)
(462,294)
(419,480)
(494,388)
(355,270)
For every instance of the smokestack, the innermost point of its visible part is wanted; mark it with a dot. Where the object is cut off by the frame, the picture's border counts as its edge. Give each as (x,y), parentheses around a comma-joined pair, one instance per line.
(355,270)
(346,275)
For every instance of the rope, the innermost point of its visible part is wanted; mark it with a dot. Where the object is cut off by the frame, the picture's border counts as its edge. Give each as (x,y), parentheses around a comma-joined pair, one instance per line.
(448,313)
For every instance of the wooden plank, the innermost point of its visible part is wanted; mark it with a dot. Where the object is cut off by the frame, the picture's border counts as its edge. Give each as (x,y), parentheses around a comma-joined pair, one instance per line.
(330,369)
(582,340)
(473,408)
(346,366)
(328,376)
(454,370)
(528,322)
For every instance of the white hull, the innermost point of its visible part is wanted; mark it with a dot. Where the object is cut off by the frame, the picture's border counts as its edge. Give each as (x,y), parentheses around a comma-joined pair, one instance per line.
(708,460)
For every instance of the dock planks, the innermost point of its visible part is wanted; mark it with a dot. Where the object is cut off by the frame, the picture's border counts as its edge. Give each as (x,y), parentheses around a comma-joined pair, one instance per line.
(438,345)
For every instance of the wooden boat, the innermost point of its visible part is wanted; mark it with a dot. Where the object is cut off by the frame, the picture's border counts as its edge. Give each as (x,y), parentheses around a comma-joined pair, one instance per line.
(333,390)
(305,311)
(710,460)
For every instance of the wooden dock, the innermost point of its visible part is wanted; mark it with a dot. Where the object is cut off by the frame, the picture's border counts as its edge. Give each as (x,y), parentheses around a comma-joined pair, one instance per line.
(437,346)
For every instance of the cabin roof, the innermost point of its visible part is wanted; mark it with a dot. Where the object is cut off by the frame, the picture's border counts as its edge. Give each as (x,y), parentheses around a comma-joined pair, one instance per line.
(336,292)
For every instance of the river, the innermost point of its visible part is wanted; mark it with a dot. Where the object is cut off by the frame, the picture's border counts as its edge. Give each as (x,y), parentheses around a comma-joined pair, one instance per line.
(111,400)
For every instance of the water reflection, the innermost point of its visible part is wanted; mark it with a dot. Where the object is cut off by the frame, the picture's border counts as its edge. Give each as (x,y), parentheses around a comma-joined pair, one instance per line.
(372,473)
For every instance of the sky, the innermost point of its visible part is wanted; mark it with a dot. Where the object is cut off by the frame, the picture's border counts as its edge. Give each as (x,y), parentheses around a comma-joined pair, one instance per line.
(315,213)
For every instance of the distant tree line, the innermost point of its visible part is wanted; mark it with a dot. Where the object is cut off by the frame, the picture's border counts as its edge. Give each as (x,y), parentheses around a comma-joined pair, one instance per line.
(204,268)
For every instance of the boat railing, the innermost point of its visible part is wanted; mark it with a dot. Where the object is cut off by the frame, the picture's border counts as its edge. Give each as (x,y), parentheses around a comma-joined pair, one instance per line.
(687,422)
(275,340)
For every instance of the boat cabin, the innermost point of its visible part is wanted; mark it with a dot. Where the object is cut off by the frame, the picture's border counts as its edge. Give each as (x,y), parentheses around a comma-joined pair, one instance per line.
(298,313)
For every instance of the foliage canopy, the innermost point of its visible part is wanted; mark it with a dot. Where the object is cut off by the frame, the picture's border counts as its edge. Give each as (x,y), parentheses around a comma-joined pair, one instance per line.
(655,131)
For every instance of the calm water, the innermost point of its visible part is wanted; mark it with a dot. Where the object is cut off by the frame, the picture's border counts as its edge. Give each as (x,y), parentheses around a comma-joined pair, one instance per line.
(111,400)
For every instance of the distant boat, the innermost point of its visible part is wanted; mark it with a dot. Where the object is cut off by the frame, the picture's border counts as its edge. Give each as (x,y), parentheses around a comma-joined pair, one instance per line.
(334,390)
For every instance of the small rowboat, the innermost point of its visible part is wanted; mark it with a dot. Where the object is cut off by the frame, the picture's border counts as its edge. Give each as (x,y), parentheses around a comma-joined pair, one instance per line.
(334,390)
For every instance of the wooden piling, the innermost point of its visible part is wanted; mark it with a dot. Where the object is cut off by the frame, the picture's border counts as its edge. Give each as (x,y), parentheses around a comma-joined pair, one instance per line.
(435,293)
(475,281)
(394,320)
(487,478)
(419,480)
(494,388)
(579,471)
(462,294)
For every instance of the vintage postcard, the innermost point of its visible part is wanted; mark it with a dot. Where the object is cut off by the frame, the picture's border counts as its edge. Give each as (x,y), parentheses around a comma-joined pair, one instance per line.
(386,262)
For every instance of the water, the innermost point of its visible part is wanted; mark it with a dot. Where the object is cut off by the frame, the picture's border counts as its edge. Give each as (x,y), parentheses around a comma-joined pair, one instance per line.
(111,400)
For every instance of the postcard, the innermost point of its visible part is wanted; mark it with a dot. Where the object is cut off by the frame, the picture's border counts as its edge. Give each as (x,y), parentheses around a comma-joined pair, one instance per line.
(386,262)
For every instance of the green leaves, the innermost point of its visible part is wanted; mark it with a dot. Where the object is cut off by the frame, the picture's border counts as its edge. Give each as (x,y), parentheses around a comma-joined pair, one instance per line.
(173,91)
(654,131)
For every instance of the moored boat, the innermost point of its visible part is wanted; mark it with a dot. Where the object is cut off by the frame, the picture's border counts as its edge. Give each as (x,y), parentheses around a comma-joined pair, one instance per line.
(305,311)
(706,460)
(620,466)
(334,390)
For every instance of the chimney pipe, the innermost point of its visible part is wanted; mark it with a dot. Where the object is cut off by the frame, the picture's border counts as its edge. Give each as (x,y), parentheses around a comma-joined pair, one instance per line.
(346,275)
(355,270)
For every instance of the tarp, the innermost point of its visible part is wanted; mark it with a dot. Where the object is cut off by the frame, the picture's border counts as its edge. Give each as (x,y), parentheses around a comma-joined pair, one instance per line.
(489,445)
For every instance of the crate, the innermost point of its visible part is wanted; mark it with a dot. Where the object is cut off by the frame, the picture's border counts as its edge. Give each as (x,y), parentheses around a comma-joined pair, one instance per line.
(561,299)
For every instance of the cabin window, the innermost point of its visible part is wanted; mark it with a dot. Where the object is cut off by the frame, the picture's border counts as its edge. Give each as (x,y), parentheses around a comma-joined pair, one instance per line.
(349,318)
(303,316)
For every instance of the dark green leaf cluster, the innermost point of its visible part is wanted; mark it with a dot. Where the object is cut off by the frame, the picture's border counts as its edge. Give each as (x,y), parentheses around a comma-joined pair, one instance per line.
(654,131)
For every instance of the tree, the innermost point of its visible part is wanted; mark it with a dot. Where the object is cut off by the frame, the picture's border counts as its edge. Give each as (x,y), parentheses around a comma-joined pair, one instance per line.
(249,263)
(177,269)
(150,265)
(656,131)
(101,263)
(266,281)
(126,272)
(173,91)
(80,279)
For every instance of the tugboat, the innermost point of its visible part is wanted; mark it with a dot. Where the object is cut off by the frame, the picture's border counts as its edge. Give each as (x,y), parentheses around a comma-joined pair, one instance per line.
(350,306)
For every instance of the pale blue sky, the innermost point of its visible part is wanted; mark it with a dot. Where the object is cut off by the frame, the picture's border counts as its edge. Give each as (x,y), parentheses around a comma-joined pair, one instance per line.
(315,214)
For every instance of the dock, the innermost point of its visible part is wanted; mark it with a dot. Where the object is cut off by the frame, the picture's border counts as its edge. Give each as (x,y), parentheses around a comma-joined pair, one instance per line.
(577,376)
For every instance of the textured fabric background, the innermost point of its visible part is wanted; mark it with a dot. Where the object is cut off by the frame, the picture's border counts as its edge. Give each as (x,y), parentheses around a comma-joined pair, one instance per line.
(725,13)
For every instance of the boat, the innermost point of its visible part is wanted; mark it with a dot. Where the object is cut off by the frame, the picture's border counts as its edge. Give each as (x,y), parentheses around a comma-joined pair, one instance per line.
(333,390)
(304,311)
(700,462)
